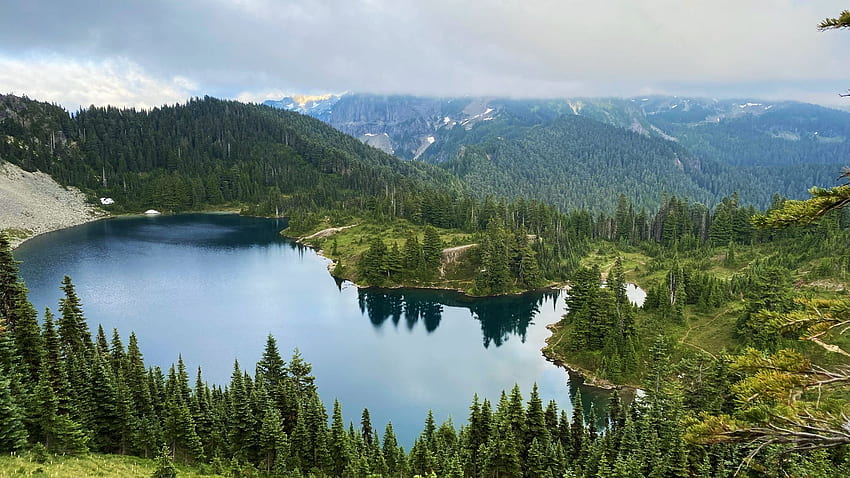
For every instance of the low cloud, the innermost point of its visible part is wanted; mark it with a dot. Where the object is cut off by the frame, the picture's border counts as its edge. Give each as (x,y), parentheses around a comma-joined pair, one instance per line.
(540,48)
(74,84)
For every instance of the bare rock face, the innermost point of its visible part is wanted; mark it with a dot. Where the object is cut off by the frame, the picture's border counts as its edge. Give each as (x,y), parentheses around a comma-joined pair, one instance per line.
(33,203)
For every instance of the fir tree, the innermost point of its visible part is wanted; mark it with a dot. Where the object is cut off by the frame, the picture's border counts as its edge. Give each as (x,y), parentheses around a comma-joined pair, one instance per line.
(164,465)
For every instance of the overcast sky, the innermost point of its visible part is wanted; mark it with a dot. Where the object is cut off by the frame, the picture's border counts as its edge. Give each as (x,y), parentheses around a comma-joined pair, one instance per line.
(149,52)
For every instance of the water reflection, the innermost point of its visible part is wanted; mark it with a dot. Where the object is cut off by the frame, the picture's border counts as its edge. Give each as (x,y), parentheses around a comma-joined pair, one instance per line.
(213,286)
(380,305)
(499,317)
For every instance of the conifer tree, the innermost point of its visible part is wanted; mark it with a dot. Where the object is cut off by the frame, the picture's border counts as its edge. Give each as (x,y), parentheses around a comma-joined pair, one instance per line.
(117,353)
(10,287)
(432,250)
(29,343)
(338,443)
(535,422)
(13,434)
(73,328)
(271,435)
(393,455)
(103,409)
(412,259)
(165,466)
(501,458)
(578,433)
(241,425)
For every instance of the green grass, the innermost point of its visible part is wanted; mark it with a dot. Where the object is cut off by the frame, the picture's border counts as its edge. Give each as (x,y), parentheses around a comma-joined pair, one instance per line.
(703,331)
(93,465)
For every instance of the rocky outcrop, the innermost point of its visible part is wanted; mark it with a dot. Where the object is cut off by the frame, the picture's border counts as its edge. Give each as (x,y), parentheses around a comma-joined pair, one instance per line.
(33,203)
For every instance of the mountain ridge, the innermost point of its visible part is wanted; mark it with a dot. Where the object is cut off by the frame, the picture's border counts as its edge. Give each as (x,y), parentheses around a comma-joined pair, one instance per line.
(785,146)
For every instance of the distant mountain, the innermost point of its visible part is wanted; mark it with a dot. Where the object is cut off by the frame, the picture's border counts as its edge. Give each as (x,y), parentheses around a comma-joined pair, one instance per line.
(784,147)
(317,106)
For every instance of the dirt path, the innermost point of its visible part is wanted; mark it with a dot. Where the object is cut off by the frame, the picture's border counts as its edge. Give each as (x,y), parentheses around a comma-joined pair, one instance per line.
(452,251)
(684,338)
(326,232)
(450,254)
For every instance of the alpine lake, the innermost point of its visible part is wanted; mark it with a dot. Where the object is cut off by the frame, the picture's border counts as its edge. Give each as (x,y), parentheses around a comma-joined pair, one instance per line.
(211,287)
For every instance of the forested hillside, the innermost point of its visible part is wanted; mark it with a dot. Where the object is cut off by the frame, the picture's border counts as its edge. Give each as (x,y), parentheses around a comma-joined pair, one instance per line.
(205,153)
(510,146)
(579,163)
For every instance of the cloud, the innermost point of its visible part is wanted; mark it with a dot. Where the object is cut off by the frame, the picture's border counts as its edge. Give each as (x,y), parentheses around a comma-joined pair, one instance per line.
(440,47)
(73,83)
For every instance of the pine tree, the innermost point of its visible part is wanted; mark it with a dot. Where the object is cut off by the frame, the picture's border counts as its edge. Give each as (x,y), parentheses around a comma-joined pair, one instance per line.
(13,434)
(241,424)
(394,263)
(535,422)
(412,259)
(28,340)
(578,433)
(10,286)
(393,455)
(338,443)
(271,434)
(432,250)
(366,427)
(300,371)
(501,458)
(164,465)
(103,410)
(73,328)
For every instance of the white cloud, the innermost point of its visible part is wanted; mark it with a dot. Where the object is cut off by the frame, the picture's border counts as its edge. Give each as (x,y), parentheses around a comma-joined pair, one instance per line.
(259,96)
(534,48)
(80,83)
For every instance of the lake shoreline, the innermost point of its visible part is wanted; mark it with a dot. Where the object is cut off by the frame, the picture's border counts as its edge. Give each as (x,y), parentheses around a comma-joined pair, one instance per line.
(16,241)
(240,280)
(587,377)
(332,264)
(99,214)
(32,204)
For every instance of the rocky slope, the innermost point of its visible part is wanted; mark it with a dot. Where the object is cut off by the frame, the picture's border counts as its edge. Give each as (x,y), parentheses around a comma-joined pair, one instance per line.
(33,203)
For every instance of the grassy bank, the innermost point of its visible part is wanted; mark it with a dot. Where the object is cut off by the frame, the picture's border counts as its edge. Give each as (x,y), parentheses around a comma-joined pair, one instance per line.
(105,466)
(707,331)
(346,244)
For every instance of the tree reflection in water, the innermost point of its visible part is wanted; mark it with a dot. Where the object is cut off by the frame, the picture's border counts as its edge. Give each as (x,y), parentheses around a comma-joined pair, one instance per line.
(500,317)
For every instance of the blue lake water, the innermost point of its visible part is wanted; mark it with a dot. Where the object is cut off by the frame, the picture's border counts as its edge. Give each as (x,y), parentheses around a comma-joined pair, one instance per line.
(212,287)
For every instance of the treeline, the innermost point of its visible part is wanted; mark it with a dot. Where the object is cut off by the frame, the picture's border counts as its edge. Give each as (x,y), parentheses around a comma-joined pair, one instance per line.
(555,241)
